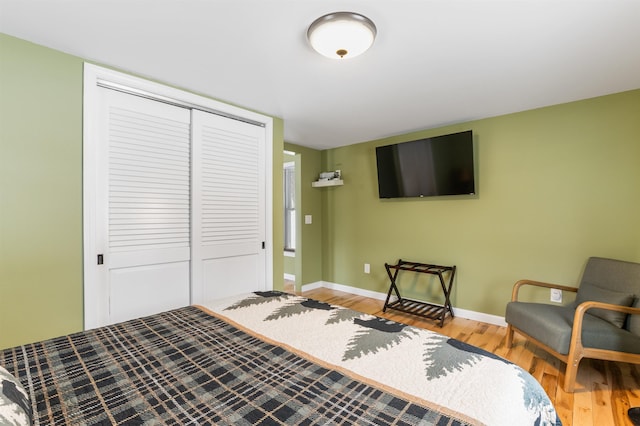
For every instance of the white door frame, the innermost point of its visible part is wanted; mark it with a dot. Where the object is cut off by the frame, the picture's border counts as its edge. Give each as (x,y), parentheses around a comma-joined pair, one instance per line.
(94,74)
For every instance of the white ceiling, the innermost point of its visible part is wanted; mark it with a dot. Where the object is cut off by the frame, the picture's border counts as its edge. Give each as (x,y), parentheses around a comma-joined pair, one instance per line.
(434,62)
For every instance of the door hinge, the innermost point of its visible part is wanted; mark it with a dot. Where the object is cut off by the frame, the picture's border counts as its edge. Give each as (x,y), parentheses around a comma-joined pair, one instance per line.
(100,259)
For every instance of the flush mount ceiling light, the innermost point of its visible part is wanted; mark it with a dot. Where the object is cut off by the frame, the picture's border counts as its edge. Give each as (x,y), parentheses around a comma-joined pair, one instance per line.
(341,35)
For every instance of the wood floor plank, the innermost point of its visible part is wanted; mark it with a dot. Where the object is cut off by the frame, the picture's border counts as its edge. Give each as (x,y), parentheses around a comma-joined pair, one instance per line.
(563,401)
(582,412)
(619,398)
(631,383)
(601,402)
(582,398)
(604,390)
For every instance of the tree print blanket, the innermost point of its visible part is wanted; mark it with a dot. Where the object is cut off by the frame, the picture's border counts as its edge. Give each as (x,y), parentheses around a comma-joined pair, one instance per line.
(430,368)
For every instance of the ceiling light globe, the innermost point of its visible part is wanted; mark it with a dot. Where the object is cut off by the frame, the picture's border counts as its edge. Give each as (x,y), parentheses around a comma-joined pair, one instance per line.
(341,35)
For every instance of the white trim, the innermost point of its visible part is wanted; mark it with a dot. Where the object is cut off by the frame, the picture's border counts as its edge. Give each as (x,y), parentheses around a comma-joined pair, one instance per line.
(312,286)
(92,75)
(480,316)
(289,254)
(347,289)
(99,73)
(290,277)
(172,101)
(462,313)
(89,190)
(269,242)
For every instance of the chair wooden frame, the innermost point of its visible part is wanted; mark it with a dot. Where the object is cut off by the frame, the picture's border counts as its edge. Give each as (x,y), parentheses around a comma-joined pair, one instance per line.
(576,350)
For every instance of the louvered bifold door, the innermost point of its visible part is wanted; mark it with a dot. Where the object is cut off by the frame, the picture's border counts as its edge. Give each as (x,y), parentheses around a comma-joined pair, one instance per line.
(228,234)
(147,160)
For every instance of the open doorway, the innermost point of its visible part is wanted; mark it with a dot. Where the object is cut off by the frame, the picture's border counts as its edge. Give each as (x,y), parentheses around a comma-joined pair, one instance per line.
(291,208)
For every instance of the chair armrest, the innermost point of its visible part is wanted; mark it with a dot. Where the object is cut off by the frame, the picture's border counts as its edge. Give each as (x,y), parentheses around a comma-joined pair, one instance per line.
(517,285)
(581,309)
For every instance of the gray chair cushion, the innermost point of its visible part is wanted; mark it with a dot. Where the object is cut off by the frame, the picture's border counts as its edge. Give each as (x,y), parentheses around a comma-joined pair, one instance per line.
(551,325)
(634,320)
(590,291)
(612,281)
(615,275)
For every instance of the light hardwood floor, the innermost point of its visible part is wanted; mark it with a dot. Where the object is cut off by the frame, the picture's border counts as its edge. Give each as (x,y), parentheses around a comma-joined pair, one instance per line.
(604,392)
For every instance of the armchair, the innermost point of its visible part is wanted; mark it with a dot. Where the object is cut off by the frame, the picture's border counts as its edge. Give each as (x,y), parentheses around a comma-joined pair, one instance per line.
(602,323)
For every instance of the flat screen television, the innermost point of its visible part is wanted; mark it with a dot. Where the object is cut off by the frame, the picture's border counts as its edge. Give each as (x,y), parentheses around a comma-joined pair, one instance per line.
(441,165)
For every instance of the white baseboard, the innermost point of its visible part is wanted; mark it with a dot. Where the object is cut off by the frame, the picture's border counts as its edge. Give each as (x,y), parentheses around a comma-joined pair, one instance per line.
(480,316)
(312,286)
(290,277)
(346,289)
(462,313)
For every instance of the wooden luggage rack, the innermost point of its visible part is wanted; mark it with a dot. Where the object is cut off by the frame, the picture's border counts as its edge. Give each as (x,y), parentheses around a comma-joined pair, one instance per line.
(416,307)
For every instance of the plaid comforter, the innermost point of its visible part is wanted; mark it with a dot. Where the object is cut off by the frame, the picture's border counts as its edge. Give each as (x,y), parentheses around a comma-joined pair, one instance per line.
(188,367)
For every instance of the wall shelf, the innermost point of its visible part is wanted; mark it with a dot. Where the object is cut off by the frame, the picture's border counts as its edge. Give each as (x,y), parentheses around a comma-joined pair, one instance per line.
(322,183)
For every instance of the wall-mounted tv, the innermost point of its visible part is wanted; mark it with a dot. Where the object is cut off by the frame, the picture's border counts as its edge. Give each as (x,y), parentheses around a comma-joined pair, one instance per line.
(441,165)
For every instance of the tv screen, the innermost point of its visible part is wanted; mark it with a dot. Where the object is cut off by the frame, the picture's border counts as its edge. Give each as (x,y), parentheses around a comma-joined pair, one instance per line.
(442,165)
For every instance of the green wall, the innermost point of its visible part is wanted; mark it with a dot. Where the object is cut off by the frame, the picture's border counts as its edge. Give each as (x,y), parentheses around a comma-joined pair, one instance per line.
(41,193)
(289,265)
(554,186)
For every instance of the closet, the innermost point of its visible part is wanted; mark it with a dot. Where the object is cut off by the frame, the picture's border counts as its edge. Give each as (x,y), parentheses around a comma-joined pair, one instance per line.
(175,198)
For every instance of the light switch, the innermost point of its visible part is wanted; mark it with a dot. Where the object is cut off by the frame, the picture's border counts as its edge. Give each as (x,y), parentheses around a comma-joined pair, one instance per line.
(307,219)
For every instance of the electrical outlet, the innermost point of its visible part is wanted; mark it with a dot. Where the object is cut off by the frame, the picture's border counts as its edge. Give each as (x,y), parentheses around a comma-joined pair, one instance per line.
(367,268)
(556,295)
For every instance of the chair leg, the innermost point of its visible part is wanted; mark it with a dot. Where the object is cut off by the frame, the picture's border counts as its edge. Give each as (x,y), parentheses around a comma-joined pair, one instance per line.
(509,335)
(570,373)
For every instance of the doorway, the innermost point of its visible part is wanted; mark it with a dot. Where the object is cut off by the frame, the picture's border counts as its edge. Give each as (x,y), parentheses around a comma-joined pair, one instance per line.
(291,219)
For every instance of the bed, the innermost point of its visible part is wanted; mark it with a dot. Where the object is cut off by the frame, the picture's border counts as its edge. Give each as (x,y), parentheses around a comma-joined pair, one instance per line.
(267,358)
